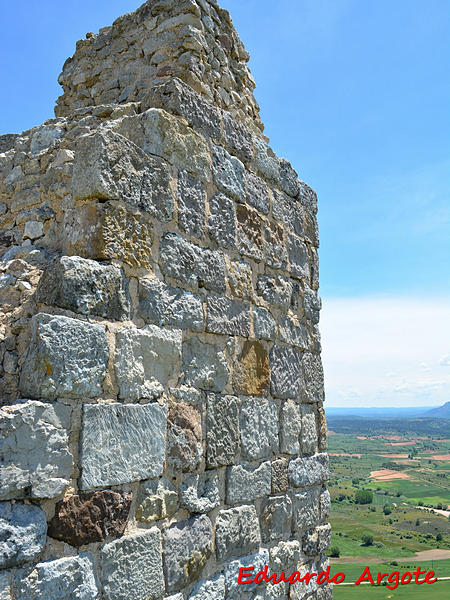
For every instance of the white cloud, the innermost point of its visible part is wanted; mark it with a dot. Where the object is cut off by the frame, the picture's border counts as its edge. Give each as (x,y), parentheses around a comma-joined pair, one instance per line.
(386,351)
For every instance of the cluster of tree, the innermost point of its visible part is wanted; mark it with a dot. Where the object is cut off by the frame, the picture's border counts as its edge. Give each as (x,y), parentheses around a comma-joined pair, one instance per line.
(363,497)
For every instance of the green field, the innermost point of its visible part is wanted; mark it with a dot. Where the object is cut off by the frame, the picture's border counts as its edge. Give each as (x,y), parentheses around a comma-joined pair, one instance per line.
(352,571)
(435,591)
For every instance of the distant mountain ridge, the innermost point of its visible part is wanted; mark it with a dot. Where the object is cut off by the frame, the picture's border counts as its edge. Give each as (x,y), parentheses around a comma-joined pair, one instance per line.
(440,412)
(387,412)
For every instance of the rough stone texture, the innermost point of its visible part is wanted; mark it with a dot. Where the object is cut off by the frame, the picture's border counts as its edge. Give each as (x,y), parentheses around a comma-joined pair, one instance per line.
(276,252)
(253,590)
(298,258)
(222,221)
(187,547)
(228,173)
(259,428)
(275,290)
(280,480)
(258,193)
(290,427)
(157,499)
(121,443)
(131,567)
(288,212)
(90,517)
(285,556)
(251,373)
(313,376)
(211,589)
(222,430)
(292,332)
(63,579)
(227,316)
(184,437)
(200,492)
(237,532)
(285,372)
(191,205)
(311,470)
(245,484)
(34,454)
(204,366)
(276,518)
(250,232)
(5,585)
(240,279)
(309,431)
(263,323)
(23,529)
(66,357)
(305,509)
(145,360)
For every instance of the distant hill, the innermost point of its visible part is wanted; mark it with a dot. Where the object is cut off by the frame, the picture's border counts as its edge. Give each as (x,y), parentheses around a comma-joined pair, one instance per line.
(382,412)
(441,412)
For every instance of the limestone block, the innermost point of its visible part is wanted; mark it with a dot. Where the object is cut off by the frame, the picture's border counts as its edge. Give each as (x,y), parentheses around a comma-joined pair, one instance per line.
(222,221)
(250,232)
(298,258)
(121,443)
(275,290)
(307,197)
(66,357)
(265,161)
(184,437)
(191,264)
(157,499)
(316,541)
(313,374)
(259,428)
(210,589)
(35,458)
(280,480)
(5,585)
(275,247)
(204,365)
(293,332)
(191,205)
(187,547)
(285,556)
(33,230)
(309,430)
(228,173)
(63,579)
(228,317)
(240,279)
(257,193)
(312,304)
(290,427)
(200,492)
(23,529)
(263,323)
(236,137)
(110,167)
(276,518)
(325,505)
(131,567)
(251,371)
(244,592)
(245,483)
(237,532)
(108,230)
(222,430)
(288,212)
(145,360)
(307,471)
(44,137)
(305,507)
(90,517)
(288,178)
(285,372)
(86,287)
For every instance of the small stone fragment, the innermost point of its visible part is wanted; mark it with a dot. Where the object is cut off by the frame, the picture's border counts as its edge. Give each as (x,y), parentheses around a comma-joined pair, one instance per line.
(280,480)
(157,499)
(240,279)
(250,232)
(308,471)
(228,173)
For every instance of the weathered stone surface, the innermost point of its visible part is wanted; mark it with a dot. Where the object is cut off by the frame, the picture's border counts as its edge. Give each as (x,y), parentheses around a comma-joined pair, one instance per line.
(63,579)
(275,248)
(285,372)
(245,483)
(85,286)
(145,360)
(240,279)
(237,532)
(90,517)
(66,357)
(313,374)
(307,197)
(228,173)
(312,304)
(157,499)
(44,137)
(121,443)
(275,290)
(265,161)
(187,547)
(285,556)
(311,470)
(250,232)
(298,258)
(252,590)
(200,492)
(222,221)
(264,324)
(163,305)
(23,530)
(222,430)
(191,264)
(316,541)
(184,437)
(257,193)
(34,453)
(237,137)
(309,430)
(288,178)
(211,589)
(325,505)
(108,166)
(305,509)
(280,480)
(287,211)
(290,427)
(259,428)
(323,431)
(204,365)
(191,205)
(251,371)
(293,332)
(5,585)
(228,317)
(132,567)
(276,518)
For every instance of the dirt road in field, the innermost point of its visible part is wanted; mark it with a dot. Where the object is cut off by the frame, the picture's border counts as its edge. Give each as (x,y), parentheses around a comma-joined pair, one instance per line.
(437,554)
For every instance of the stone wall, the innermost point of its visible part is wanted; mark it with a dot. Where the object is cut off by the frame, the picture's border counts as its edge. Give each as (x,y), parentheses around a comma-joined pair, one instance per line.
(161,386)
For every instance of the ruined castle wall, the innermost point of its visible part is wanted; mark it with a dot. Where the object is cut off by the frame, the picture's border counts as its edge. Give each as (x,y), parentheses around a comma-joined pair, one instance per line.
(162,416)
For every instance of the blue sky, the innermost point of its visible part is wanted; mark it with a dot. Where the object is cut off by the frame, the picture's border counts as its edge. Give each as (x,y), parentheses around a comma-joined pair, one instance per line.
(356,94)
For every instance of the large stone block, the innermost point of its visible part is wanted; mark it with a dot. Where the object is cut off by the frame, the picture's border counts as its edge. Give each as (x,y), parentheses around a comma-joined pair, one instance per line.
(131,568)
(157,499)
(236,137)
(293,332)
(287,211)
(90,517)
(312,304)
(288,178)
(66,357)
(250,232)
(228,173)
(313,374)
(23,529)
(191,264)
(222,221)
(265,162)
(275,247)
(305,509)
(245,483)
(211,589)
(285,556)
(276,518)
(257,193)
(63,579)
(200,492)
(237,532)
(325,505)
(34,453)
(308,471)
(280,479)
(275,290)
(240,279)
(121,443)
(187,547)
(184,437)
(298,258)
(110,167)
(222,430)
(191,205)
(285,372)
(251,371)
(259,428)
(309,430)
(228,317)
(204,365)
(290,427)
(85,286)
(145,360)
(264,324)
(251,591)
